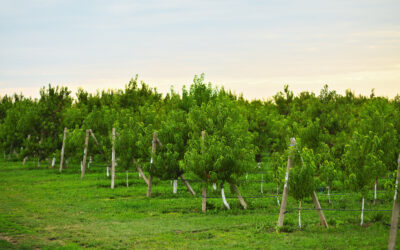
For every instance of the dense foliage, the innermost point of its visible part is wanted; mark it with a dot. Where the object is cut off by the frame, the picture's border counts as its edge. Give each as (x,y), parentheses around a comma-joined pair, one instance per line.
(346,140)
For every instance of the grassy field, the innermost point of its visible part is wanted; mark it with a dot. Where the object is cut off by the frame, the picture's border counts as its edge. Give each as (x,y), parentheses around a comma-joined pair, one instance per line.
(40,208)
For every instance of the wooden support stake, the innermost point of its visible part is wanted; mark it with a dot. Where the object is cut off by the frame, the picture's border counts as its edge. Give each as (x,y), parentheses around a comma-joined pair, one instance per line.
(285,187)
(102,151)
(85,154)
(188,185)
(139,169)
(113,159)
(319,210)
(241,200)
(395,212)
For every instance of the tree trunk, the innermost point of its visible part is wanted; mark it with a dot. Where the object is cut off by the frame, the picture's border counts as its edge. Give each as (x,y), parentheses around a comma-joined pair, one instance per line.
(127,180)
(204,199)
(317,206)
(285,187)
(223,197)
(362,211)
(53,162)
(24,161)
(85,154)
(149,186)
(108,171)
(300,214)
(262,178)
(38,162)
(113,159)
(376,187)
(329,195)
(175,186)
(188,185)
(153,151)
(214,185)
(395,212)
(241,200)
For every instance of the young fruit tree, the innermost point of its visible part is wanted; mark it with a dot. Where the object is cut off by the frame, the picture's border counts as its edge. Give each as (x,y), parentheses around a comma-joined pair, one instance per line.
(362,158)
(327,173)
(173,134)
(300,158)
(225,151)
(379,118)
(302,174)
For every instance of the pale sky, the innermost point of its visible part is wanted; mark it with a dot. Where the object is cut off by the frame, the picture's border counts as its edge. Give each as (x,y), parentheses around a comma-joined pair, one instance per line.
(250,47)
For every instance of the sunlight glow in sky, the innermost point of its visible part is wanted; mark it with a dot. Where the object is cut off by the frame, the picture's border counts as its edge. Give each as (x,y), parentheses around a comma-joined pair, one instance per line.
(250,47)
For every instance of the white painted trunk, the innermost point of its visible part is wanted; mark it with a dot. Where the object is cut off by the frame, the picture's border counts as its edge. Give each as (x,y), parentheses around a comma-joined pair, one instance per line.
(113,159)
(262,181)
(247,175)
(81,166)
(53,162)
(300,214)
(277,195)
(224,199)
(24,161)
(329,195)
(214,186)
(376,187)
(362,212)
(175,186)
(90,161)
(108,171)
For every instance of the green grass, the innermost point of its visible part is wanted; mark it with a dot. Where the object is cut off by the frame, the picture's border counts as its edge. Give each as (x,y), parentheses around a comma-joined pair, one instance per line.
(40,208)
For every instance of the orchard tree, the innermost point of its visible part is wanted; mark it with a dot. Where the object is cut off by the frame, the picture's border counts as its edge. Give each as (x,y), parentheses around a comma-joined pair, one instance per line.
(328,173)
(378,117)
(173,134)
(224,153)
(302,174)
(363,158)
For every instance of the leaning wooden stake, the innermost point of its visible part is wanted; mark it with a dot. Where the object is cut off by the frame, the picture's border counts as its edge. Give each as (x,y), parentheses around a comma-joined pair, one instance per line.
(285,187)
(113,159)
(319,210)
(188,185)
(241,200)
(153,151)
(85,154)
(104,154)
(139,169)
(395,212)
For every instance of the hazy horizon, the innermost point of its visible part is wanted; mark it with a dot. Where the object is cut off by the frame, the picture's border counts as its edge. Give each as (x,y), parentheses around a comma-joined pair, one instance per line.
(254,48)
